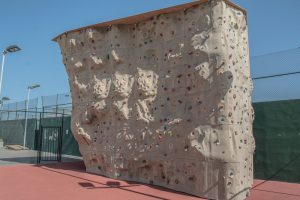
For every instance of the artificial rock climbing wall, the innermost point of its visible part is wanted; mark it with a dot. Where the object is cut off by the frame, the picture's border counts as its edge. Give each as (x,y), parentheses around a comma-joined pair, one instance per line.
(166,100)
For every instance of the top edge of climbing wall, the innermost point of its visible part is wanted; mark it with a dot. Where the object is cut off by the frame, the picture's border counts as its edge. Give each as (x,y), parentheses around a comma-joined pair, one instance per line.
(146,16)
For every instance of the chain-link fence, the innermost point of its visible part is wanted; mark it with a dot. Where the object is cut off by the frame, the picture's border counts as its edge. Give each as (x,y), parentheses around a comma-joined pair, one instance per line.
(14,116)
(276,76)
(17,110)
(58,103)
(276,128)
(55,111)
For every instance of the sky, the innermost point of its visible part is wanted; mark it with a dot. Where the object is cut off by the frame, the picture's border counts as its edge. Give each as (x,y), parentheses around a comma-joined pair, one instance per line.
(31,24)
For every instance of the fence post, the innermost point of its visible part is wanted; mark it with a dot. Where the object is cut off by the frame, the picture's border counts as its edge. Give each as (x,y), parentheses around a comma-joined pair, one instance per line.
(8,112)
(16,110)
(62,135)
(56,105)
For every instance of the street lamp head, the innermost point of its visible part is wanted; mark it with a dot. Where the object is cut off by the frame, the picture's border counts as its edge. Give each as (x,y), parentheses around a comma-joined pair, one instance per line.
(5,99)
(33,86)
(11,49)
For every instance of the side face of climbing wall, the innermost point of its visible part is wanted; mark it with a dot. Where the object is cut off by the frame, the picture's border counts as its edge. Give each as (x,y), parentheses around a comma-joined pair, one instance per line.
(166,101)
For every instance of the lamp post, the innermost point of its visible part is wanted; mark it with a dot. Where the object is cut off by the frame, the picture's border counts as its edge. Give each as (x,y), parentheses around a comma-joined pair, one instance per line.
(31,87)
(9,49)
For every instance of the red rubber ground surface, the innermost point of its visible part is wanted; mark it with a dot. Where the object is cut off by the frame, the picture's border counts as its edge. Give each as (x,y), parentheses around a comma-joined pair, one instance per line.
(69,181)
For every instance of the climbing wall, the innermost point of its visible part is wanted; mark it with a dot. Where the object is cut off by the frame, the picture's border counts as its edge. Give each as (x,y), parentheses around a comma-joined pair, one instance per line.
(166,100)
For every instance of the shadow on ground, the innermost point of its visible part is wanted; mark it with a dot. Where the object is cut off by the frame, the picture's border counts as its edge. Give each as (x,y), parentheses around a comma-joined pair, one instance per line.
(91,184)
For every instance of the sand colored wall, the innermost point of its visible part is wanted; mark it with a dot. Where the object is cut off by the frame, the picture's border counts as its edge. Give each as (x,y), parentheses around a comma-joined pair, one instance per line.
(166,101)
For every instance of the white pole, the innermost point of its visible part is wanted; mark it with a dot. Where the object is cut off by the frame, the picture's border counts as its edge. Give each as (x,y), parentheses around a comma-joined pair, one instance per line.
(2,68)
(25,129)
(1,109)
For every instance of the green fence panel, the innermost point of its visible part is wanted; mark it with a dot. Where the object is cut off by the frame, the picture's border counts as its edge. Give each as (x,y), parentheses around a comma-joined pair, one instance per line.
(70,146)
(12,132)
(277,134)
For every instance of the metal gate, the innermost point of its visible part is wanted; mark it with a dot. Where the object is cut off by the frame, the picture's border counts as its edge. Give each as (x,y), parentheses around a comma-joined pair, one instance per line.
(49,144)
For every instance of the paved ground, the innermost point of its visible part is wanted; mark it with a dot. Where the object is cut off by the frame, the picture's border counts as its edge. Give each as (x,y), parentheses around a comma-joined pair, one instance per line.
(69,181)
(15,157)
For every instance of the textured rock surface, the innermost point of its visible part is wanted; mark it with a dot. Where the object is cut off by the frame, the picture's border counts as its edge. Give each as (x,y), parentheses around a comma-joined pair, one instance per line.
(166,101)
